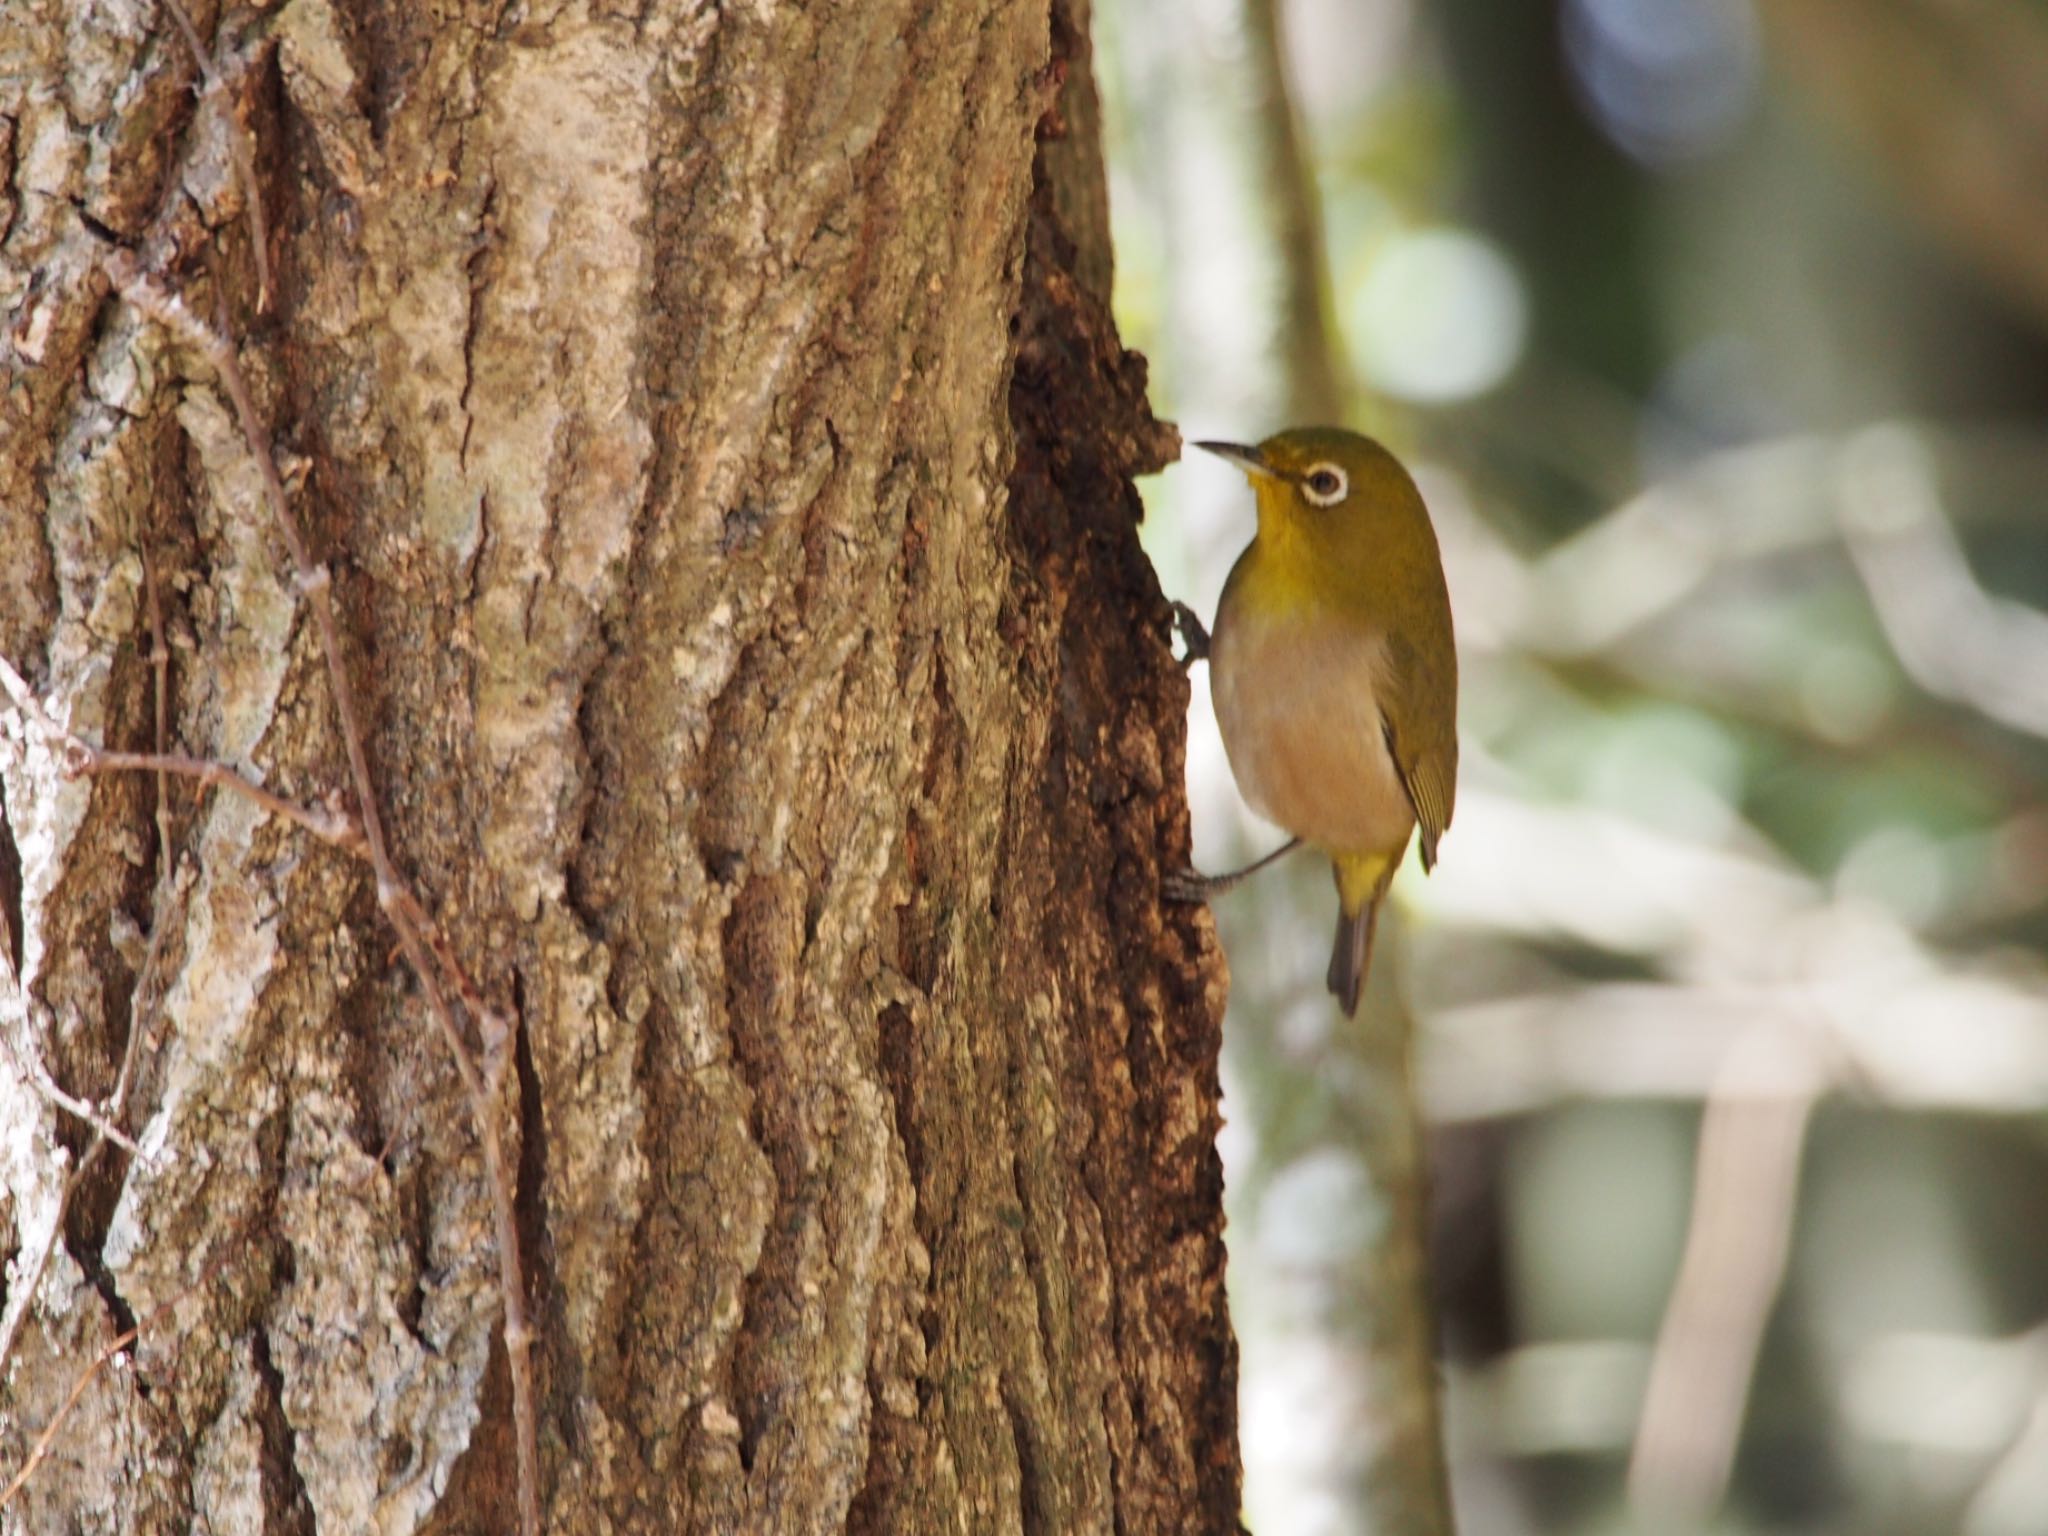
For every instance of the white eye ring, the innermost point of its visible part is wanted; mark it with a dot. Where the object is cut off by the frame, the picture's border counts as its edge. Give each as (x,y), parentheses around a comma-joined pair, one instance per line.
(1325,485)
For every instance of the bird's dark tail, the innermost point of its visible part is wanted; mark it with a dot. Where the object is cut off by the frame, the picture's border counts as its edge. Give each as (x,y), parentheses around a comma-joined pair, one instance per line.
(1351,960)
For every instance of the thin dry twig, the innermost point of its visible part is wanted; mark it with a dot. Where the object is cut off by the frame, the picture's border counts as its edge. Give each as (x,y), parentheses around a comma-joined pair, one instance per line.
(328,823)
(331,824)
(160,666)
(394,896)
(142,1005)
(41,1449)
(26,701)
(244,153)
(105,1123)
(81,758)
(32,1276)
(37,1076)
(493,1027)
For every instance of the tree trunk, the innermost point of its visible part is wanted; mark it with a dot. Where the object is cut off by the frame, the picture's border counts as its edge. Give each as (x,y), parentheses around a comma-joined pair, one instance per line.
(721,451)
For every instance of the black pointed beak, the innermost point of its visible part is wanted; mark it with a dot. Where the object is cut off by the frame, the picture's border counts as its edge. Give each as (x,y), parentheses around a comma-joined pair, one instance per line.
(1250,460)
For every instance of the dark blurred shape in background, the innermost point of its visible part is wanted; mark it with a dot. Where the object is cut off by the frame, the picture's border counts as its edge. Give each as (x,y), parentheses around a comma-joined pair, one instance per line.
(1718,334)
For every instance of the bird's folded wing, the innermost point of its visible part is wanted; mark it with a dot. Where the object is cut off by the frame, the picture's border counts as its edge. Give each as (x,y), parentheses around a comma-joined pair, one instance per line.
(1425,750)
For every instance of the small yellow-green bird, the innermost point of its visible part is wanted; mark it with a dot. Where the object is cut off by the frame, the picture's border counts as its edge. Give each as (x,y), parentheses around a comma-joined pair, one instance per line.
(1334,672)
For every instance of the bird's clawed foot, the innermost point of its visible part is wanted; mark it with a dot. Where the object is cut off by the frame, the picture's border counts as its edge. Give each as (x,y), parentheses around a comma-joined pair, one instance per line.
(1190,884)
(1194,639)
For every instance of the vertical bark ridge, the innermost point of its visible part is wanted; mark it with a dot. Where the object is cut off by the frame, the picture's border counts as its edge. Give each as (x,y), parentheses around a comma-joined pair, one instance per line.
(724,475)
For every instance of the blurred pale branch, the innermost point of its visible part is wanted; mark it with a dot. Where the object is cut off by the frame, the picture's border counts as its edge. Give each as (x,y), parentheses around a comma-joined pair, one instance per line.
(2010,1500)
(1745,1186)
(1781,990)
(1309,357)
(1386,1469)
(1907,1391)
(1966,1043)
(1767,500)
(1610,612)
(1738,931)
(1957,641)
(1590,608)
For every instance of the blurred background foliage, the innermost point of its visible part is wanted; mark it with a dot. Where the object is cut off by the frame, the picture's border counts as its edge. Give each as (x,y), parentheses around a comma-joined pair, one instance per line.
(1717,333)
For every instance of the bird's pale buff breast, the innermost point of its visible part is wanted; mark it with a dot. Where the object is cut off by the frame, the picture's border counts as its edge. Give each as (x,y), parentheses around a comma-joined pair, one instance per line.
(1297,705)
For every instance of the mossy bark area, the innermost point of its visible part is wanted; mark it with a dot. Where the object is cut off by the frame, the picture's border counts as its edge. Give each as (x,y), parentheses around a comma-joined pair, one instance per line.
(723,454)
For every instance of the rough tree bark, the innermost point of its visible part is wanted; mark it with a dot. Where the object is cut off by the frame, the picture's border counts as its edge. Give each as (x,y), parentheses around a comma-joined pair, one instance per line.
(722,454)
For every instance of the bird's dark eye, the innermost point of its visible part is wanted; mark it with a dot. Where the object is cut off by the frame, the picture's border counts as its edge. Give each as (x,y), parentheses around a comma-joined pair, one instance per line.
(1325,485)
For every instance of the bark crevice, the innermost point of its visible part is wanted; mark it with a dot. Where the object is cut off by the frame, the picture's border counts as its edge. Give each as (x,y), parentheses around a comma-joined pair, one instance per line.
(285,1498)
